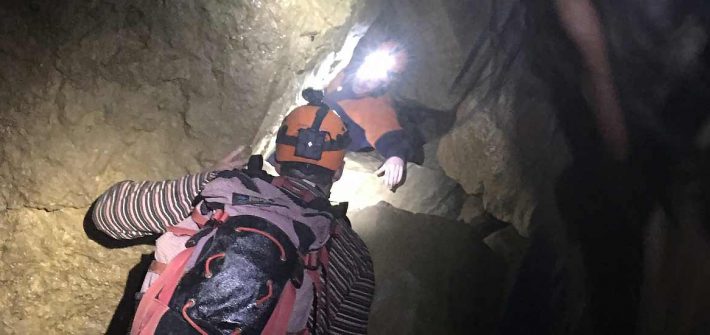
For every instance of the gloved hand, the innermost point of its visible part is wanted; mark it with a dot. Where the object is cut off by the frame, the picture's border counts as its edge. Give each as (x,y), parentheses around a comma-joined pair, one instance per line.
(234,160)
(392,170)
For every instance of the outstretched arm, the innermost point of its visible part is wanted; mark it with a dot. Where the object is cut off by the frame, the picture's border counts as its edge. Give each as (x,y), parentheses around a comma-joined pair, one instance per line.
(132,209)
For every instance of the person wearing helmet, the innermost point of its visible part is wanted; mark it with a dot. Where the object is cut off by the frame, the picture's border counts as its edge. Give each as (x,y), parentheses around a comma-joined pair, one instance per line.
(311,144)
(310,149)
(360,95)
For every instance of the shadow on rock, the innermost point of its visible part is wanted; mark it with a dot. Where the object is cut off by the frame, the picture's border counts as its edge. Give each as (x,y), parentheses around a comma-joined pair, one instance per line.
(123,314)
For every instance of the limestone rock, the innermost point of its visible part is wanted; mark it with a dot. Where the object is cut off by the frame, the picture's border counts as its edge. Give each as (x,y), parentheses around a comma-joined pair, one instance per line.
(437,47)
(432,276)
(108,91)
(480,157)
(425,190)
(92,93)
(53,277)
(507,152)
(472,209)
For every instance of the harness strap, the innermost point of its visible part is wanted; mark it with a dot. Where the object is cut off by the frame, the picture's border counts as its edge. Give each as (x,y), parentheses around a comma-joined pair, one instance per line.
(299,191)
(172,275)
(155,300)
(314,261)
(278,322)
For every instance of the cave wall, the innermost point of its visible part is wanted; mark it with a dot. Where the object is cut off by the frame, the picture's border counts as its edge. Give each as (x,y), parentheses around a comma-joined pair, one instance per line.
(96,92)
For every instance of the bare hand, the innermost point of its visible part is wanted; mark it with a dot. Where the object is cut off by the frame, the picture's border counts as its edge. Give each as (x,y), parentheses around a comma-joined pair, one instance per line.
(392,170)
(234,160)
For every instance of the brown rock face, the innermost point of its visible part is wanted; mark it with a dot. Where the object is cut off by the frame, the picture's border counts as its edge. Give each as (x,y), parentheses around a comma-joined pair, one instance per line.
(113,88)
(507,151)
(426,190)
(53,278)
(95,92)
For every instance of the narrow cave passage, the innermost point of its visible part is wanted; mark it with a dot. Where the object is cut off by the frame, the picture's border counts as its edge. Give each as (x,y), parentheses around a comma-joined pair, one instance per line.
(554,153)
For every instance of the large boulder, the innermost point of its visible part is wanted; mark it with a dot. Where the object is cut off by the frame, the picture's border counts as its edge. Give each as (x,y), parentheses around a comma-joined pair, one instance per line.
(426,190)
(508,152)
(432,275)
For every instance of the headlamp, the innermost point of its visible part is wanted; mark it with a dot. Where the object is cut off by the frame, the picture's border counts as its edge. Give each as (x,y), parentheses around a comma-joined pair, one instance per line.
(376,66)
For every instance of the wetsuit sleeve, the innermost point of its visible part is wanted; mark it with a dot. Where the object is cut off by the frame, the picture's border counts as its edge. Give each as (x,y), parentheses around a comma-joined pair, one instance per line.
(350,286)
(394,143)
(132,209)
(376,119)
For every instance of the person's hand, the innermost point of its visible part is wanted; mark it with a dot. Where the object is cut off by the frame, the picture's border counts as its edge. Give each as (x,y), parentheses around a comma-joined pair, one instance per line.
(234,160)
(392,170)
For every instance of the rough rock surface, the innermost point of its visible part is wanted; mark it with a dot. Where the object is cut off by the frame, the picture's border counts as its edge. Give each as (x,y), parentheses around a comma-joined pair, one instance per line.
(506,152)
(95,92)
(426,190)
(471,209)
(114,89)
(53,278)
(426,285)
(437,36)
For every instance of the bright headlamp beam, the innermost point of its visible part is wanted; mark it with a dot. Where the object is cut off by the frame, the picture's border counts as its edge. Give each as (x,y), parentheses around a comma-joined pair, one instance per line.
(376,66)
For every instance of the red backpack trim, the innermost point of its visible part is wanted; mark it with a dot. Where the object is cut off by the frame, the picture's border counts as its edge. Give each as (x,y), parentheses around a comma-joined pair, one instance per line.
(155,300)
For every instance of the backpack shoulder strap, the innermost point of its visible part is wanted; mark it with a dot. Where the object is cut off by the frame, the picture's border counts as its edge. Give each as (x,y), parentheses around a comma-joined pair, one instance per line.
(255,169)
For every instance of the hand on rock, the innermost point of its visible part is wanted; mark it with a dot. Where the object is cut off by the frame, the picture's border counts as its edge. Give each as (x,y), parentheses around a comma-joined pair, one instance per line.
(234,160)
(392,170)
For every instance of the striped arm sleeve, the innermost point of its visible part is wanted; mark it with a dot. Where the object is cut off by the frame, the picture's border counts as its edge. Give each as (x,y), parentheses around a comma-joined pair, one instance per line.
(132,209)
(350,286)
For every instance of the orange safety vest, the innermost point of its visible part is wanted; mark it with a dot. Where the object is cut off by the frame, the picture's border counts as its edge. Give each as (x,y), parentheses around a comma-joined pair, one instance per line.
(375,114)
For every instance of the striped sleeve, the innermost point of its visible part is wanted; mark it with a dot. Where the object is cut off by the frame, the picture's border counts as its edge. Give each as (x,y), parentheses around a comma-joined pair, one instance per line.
(132,209)
(349,287)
